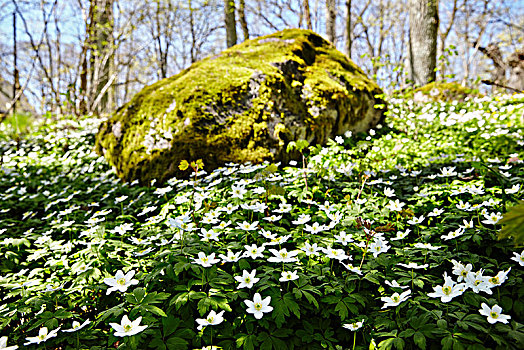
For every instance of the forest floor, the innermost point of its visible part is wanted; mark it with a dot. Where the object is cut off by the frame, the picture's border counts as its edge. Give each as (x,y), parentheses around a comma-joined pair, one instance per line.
(386,238)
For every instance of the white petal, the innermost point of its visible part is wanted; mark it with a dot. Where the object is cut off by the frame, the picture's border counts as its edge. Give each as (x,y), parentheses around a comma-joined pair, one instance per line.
(129,275)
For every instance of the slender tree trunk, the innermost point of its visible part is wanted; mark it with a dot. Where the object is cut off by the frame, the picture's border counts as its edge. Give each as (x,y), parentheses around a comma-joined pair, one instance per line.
(59,62)
(307,15)
(349,34)
(162,55)
(16,73)
(331,20)
(423,28)
(193,34)
(242,18)
(51,64)
(82,105)
(465,40)
(230,21)
(103,54)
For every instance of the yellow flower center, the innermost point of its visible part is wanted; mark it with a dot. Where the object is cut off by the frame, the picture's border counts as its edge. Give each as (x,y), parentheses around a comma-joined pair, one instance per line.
(395,298)
(446,290)
(127,328)
(494,280)
(258,306)
(248,280)
(121,281)
(493,314)
(210,319)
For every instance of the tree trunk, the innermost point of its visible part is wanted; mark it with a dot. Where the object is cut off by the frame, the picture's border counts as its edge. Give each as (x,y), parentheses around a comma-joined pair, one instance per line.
(307,14)
(331,20)
(423,28)
(16,74)
(242,18)
(193,33)
(82,104)
(102,54)
(348,28)
(516,70)
(231,30)
(162,56)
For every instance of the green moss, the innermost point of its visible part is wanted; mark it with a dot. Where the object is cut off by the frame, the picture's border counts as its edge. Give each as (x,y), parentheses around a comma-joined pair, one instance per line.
(242,105)
(450,91)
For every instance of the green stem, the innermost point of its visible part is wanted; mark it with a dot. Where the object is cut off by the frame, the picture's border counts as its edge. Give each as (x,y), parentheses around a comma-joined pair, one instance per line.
(354,339)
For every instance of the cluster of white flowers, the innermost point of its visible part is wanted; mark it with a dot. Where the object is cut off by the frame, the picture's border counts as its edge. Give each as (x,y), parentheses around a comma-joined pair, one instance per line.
(467,279)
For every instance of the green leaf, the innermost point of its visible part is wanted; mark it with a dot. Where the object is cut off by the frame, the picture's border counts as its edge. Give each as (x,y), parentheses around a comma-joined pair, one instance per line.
(63,314)
(170,324)
(280,312)
(342,310)
(139,294)
(310,298)
(418,282)
(399,343)
(371,277)
(250,342)
(513,224)
(386,344)
(266,344)
(406,333)
(203,306)
(291,304)
(154,298)
(157,343)
(176,343)
(114,311)
(447,343)
(155,310)
(420,340)
(197,295)
(442,324)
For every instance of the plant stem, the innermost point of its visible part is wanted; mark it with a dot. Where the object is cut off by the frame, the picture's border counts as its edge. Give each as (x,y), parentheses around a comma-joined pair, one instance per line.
(304,170)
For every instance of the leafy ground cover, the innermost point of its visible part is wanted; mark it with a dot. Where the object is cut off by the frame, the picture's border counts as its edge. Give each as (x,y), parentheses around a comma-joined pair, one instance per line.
(386,239)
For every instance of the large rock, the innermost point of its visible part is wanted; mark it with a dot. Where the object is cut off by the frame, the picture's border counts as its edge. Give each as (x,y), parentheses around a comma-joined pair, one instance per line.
(244,104)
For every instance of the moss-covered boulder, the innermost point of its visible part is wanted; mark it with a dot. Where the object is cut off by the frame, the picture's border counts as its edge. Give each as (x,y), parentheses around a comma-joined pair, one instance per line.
(442,91)
(244,104)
